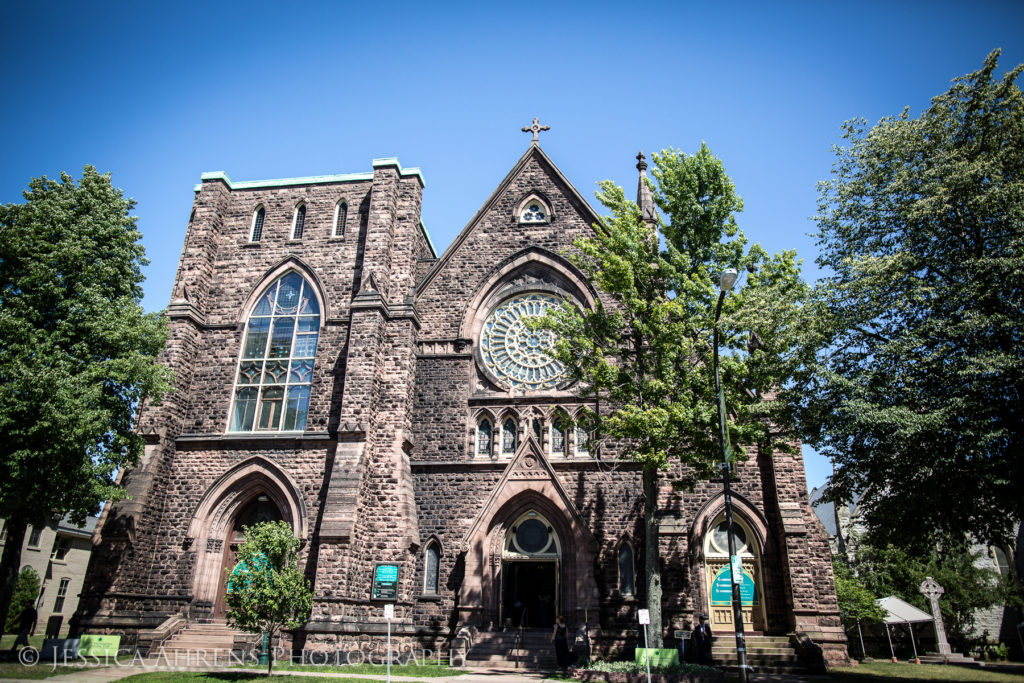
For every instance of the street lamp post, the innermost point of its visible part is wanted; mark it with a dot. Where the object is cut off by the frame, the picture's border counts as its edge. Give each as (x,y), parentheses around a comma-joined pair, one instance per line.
(725,286)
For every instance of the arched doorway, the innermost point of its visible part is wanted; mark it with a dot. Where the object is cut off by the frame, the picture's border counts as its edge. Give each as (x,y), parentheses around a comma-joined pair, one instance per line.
(260,509)
(530,573)
(717,575)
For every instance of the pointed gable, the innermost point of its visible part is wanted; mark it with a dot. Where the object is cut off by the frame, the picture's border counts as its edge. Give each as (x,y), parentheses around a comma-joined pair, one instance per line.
(529,471)
(496,233)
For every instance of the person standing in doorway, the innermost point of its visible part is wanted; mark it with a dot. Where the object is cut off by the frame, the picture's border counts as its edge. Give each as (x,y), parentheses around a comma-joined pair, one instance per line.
(560,637)
(702,641)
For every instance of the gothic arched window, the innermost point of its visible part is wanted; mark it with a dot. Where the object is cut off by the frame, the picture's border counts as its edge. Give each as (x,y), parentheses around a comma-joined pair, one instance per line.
(431,568)
(340,219)
(299,223)
(276,365)
(258,216)
(558,441)
(627,575)
(483,437)
(509,437)
(534,210)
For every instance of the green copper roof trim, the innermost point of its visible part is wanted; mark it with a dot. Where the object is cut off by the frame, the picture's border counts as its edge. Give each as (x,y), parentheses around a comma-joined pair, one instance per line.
(403,172)
(282,182)
(430,242)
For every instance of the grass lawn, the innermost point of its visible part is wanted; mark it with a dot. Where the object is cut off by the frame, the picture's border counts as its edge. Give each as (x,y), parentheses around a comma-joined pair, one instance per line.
(234,677)
(870,672)
(425,670)
(40,670)
(7,640)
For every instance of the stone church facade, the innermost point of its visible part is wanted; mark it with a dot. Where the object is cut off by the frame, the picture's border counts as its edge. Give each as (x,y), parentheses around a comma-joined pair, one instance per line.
(389,404)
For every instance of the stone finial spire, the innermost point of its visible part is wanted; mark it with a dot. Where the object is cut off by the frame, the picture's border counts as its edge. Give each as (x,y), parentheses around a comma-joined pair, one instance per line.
(643,193)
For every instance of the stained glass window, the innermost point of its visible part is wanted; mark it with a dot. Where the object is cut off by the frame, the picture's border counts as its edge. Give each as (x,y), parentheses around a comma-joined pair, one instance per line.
(626,575)
(483,437)
(558,438)
(300,222)
(513,352)
(582,441)
(276,367)
(257,224)
(508,437)
(432,564)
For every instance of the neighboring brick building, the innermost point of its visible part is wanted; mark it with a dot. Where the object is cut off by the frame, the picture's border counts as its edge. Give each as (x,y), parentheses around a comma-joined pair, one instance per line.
(59,553)
(424,435)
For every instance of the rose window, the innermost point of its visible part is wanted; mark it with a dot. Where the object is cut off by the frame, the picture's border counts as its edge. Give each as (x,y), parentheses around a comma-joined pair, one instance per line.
(513,352)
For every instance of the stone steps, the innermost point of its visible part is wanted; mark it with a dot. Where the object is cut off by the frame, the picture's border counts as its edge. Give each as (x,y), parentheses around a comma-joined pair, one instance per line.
(503,650)
(766,654)
(211,641)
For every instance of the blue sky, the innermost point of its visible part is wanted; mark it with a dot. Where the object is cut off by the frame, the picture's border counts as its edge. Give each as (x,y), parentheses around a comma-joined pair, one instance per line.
(158,93)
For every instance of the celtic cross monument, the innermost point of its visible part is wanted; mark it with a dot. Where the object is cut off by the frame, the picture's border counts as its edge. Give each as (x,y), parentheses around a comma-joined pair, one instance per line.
(931,589)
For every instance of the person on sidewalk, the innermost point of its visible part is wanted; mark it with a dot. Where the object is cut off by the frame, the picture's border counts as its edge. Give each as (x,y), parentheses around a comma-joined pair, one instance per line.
(26,625)
(702,641)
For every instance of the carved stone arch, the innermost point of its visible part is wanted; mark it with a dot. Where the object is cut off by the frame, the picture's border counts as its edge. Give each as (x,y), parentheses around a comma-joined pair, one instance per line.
(531,269)
(542,199)
(482,412)
(714,506)
(280,269)
(218,508)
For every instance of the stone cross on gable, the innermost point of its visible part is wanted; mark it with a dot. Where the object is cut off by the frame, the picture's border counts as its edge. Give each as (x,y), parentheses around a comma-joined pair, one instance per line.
(931,589)
(536,128)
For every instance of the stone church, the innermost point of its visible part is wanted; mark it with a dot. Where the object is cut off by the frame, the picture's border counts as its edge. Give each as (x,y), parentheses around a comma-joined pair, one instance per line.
(392,406)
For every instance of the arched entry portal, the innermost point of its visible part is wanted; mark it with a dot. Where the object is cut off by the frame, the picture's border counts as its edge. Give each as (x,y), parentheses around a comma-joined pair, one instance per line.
(259,509)
(254,490)
(717,575)
(530,573)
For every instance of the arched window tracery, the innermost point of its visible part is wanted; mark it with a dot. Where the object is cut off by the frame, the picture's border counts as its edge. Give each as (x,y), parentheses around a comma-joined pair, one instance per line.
(275,368)
(483,437)
(509,436)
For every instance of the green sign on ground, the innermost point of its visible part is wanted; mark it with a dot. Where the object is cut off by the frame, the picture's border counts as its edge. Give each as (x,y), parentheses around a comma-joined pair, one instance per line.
(385,582)
(721,590)
(98,646)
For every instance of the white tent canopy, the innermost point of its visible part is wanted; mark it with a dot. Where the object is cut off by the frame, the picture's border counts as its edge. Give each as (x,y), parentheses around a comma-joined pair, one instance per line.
(899,612)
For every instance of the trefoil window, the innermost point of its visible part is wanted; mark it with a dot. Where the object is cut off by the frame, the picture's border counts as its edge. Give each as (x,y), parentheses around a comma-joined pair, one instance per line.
(275,369)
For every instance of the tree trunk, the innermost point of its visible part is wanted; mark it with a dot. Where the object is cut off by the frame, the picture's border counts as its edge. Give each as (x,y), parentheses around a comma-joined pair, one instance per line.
(9,565)
(652,558)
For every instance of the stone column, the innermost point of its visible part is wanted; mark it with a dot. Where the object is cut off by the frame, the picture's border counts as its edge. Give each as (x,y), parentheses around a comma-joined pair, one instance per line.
(933,591)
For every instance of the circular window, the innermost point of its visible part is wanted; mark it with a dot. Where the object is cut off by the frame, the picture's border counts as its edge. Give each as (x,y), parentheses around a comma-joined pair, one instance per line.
(513,352)
(721,541)
(532,536)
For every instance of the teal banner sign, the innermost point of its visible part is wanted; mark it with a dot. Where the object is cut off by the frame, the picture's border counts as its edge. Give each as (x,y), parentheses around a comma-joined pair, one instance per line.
(721,591)
(385,582)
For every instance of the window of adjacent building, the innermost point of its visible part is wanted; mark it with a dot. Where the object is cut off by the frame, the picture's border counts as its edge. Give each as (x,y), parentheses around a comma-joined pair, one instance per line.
(340,219)
(558,441)
(3,532)
(60,548)
(33,537)
(483,437)
(509,437)
(256,233)
(276,365)
(62,592)
(627,576)
(299,222)
(431,568)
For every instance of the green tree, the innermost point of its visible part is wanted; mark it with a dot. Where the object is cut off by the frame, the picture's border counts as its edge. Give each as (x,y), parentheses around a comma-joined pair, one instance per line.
(916,391)
(77,354)
(26,590)
(856,602)
(890,570)
(645,350)
(266,590)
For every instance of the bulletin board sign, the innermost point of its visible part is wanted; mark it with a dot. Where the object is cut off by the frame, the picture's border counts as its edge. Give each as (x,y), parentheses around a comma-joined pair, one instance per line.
(385,582)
